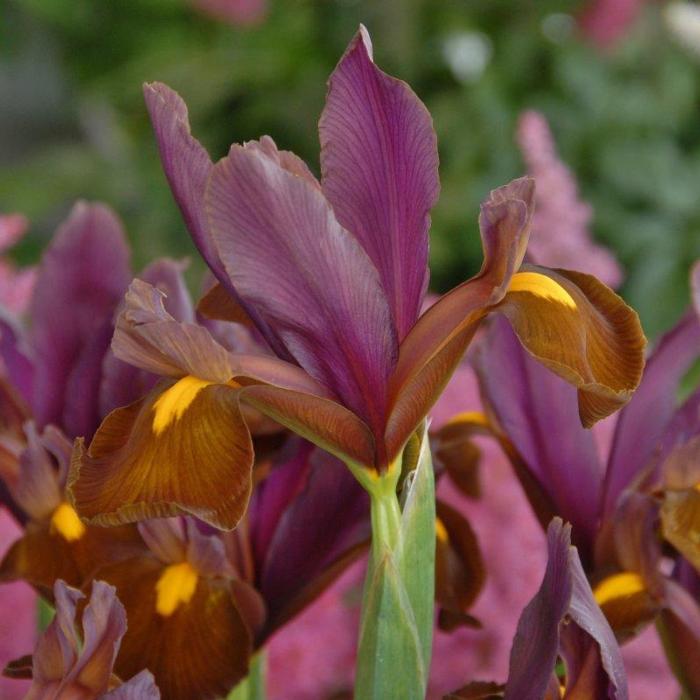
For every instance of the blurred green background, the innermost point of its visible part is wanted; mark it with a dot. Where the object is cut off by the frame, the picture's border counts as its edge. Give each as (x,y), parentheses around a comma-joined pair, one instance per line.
(626,118)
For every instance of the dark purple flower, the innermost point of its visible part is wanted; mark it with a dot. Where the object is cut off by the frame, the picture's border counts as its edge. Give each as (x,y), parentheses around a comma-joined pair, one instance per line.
(562,622)
(332,275)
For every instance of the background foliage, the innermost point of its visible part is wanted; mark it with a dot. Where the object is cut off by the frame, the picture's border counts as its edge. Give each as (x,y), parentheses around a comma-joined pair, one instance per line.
(73,124)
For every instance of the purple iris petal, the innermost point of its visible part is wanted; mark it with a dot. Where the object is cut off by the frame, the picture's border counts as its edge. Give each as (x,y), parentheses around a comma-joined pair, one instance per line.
(308,277)
(82,277)
(16,364)
(325,521)
(643,421)
(380,172)
(564,601)
(538,412)
(187,167)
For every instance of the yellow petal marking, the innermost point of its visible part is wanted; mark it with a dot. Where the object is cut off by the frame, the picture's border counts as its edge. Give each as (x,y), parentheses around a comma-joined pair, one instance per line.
(618,586)
(441,531)
(65,522)
(541,286)
(176,585)
(470,417)
(173,402)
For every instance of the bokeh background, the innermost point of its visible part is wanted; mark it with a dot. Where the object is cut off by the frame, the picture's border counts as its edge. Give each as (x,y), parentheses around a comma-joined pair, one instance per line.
(618,81)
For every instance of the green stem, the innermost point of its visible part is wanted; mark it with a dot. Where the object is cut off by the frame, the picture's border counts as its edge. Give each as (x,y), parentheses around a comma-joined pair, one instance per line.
(386,519)
(252,687)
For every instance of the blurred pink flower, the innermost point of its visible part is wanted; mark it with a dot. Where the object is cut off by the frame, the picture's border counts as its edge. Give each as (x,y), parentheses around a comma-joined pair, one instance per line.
(604,22)
(560,235)
(17,603)
(16,285)
(238,12)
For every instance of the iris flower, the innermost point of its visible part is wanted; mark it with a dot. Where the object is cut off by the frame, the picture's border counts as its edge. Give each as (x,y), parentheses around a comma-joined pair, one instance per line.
(332,275)
(645,489)
(564,622)
(70,666)
(226,593)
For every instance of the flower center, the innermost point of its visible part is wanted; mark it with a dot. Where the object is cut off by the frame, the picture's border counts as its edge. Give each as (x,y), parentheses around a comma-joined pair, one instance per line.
(175,586)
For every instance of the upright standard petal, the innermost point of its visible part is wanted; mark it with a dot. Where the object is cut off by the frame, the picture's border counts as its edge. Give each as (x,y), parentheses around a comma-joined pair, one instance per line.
(564,620)
(187,167)
(186,164)
(82,277)
(287,255)
(16,363)
(380,172)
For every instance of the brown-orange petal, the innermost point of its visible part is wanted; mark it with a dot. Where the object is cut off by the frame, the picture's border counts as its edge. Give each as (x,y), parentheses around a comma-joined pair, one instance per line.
(183,449)
(200,649)
(581,330)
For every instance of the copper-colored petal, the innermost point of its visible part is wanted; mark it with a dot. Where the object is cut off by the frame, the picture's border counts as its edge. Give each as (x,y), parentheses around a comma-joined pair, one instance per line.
(322,421)
(219,305)
(201,650)
(168,454)
(433,348)
(626,603)
(459,568)
(478,690)
(455,452)
(415,396)
(42,556)
(680,522)
(19,668)
(581,330)
(505,221)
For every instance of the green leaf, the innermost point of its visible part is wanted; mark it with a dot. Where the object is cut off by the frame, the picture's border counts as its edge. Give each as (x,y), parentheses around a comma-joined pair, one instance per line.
(417,562)
(390,659)
(397,611)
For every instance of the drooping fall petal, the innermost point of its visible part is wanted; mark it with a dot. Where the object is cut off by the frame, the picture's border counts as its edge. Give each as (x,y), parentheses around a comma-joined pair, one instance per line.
(460,571)
(582,331)
(185,449)
(200,649)
(309,278)
(379,161)
(680,509)
(81,279)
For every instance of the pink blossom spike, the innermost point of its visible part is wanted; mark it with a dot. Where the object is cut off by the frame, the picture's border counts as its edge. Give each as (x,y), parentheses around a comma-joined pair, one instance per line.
(560,234)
